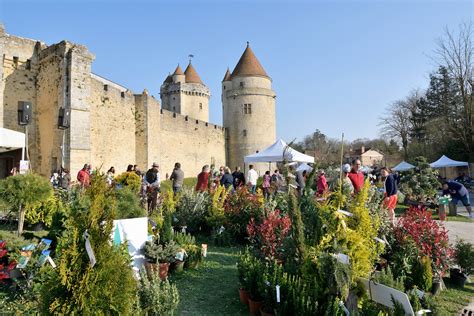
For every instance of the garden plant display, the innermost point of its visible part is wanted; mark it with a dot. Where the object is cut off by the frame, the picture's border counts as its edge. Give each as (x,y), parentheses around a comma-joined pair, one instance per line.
(302,256)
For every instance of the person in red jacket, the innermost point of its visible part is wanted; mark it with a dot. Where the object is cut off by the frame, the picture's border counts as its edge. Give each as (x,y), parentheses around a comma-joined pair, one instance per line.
(322,183)
(203,179)
(83,176)
(356,176)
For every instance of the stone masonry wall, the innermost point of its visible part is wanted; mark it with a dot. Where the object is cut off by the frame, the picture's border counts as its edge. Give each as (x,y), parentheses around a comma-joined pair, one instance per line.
(191,142)
(19,71)
(112,129)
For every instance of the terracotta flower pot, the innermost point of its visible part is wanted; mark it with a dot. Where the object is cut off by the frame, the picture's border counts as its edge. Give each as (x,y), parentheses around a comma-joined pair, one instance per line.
(164,267)
(244,296)
(254,306)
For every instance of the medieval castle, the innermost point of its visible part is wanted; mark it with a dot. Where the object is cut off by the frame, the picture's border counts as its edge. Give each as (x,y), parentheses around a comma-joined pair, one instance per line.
(109,125)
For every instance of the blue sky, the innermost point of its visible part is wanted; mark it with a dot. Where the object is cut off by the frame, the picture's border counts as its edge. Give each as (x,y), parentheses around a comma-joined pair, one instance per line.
(335,65)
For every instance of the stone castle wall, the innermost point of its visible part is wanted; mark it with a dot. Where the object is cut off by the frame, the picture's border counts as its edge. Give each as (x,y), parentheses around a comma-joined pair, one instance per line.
(112,126)
(109,125)
(191,142)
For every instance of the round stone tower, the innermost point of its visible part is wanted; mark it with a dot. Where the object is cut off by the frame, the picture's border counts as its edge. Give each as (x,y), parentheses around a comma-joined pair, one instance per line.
(248,103)
(186,94)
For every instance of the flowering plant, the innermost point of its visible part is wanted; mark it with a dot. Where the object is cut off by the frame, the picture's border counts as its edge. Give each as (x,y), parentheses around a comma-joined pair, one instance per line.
(430,238)
(5,266)
(268,236)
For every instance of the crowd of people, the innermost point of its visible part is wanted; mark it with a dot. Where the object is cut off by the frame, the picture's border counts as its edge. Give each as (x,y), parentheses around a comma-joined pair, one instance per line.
(210,178)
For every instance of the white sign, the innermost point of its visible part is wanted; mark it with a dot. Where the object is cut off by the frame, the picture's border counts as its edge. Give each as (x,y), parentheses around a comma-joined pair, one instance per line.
(24,166)
(135,232)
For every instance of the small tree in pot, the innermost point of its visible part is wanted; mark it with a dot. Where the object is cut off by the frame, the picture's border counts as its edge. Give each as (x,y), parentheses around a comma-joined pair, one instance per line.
(161,255)
(464,257)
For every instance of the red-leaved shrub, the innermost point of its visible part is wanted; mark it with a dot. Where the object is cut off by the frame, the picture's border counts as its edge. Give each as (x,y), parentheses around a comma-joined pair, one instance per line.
(430,238)
(5,266)
(268,236)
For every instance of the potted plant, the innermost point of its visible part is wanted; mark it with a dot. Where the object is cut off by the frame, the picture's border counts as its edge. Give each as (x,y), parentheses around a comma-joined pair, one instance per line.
(464,257)
(178,265)
(151,265)
(161,256)
(242,268)
(255,285)
(194,256)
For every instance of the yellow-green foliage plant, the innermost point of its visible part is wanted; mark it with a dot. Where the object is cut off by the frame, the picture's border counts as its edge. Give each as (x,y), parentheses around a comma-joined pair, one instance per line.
(75,287)
(167,210)
(216,215)
(352,235)
(129,179)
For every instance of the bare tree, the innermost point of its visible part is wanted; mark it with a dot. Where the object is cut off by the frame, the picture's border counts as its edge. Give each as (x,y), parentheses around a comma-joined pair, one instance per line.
(455,51)
(397,123)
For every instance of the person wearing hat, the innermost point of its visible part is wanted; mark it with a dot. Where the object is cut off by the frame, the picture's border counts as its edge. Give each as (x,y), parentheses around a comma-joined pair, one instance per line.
(347,187)
(322,182)
(152,184)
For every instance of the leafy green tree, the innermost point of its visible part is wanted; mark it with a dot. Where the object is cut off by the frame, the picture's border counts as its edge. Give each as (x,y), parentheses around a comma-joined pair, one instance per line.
(21,192)
(76,287)
(420,183)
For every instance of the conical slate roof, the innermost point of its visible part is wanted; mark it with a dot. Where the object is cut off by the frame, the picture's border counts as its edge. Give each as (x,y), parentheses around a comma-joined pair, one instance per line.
(178,71)
(227,76)
(249,65)
(191,75)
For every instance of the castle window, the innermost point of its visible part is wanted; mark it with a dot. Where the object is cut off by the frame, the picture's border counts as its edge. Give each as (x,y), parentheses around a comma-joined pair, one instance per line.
(241,84)
(15,61)
(174,109)
(122,94)
(200,106)
(247,108)
(28,64)
(245,132)
(106,87)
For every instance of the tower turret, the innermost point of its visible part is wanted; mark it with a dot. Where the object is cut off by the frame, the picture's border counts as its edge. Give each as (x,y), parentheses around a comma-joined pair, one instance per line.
(178,75)
(248,109)
(186,94)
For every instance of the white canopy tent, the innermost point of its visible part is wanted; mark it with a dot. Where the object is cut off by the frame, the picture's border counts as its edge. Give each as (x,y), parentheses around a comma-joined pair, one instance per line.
(11,140)
(278,152)
(445,162)
(403,166)
(304,167)
(448,166)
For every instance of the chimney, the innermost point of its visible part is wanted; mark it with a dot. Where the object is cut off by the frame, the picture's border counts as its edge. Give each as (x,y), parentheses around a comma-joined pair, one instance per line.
(362,149)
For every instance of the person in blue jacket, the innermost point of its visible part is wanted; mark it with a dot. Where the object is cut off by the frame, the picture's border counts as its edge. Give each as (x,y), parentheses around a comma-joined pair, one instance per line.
(458,193)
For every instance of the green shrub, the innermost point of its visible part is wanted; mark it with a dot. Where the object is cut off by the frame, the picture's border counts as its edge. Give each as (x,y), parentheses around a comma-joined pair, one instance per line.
(191,209)
(161,253)
(130,180)
(464,255)
(423,274)
(157,297)
(420,183)
(75,287)
(128,204)
(387,278)
(21,192)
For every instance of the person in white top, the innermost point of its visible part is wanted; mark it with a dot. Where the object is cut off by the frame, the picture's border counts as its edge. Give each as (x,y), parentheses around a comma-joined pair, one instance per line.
(252,177)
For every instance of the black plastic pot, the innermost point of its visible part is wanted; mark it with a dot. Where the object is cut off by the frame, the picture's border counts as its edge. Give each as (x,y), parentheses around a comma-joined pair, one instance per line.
(436,287)
(457,277)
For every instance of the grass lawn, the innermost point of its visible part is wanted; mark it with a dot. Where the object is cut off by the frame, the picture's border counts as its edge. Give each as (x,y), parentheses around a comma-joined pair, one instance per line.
(212,289)
(188,182)
(8,232)
(453,299)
